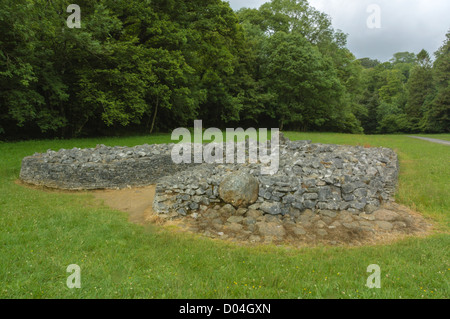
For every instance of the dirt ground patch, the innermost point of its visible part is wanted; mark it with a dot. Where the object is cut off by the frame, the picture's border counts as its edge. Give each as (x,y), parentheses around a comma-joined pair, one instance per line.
(137,202)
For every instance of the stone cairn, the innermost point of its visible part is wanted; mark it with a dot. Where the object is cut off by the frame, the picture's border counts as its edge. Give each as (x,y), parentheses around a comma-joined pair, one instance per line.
(101,167)
(311,178)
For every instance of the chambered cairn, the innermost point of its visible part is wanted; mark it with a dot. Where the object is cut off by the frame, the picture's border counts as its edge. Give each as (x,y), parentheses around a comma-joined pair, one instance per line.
(322,186)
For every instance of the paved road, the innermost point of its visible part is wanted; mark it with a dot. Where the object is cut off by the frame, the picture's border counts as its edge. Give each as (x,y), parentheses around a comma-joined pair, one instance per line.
(433,140)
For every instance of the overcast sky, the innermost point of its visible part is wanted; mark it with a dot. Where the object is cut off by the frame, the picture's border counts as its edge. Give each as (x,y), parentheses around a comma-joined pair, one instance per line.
(405,25)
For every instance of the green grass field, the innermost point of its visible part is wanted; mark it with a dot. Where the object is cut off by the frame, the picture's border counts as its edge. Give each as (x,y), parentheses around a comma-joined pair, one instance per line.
(41,233)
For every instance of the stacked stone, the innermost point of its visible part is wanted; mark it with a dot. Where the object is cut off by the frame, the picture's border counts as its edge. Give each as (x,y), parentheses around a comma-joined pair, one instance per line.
(310,176)
(103,154)
(100,167)
(252,225)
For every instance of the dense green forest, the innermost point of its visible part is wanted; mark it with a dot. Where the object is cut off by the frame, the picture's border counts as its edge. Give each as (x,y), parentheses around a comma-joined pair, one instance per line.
(154,65)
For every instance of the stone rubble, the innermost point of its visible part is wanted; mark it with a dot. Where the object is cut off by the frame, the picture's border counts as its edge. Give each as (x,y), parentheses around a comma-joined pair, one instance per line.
(305,228)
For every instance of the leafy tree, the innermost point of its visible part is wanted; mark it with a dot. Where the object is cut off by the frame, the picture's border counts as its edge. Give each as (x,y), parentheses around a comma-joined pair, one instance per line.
(368,63)
(419,88)
(151,65)
(403,57)
(32,91)
(437,114)
(393,86)
(281,21)
(306,87)
(214,48)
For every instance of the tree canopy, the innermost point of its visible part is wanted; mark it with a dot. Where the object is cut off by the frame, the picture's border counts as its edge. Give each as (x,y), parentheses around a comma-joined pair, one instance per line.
(146,66)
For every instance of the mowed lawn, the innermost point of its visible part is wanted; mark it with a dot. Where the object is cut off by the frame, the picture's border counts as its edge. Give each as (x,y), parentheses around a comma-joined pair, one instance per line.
(41,233)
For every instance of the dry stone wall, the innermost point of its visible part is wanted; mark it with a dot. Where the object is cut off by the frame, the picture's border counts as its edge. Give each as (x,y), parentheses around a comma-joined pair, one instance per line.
(101,167)
(310,176)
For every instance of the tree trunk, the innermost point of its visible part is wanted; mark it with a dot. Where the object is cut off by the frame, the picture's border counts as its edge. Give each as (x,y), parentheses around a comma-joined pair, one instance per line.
(154,116)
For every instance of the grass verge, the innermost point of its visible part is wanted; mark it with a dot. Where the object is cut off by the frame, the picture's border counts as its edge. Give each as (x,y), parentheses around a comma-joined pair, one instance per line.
(41,233)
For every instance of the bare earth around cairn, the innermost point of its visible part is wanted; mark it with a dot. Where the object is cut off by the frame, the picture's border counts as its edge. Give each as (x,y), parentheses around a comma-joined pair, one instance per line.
(389,223)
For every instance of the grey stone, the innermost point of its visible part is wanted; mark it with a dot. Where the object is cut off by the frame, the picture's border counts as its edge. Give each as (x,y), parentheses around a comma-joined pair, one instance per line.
(348,197)
(335,224)
(345,217)
(370,208)
(298,205)
(358,205)
(293,212)
(366,223)
(321,224)
(324,193)
(239,189)
(241,211)
(384,225)
(309,182)
(321,232)
(348,188)
(385,215)
(310,196)
(309,204)
(299,231)
(217,223)
(351,225)
(211,213)
(254,206)
(271,218)
(400,224)
(249,220)
(271,229)
(366,216)
(200,191)
(327,219)
(305,223)
(193,206)
(328,213)
(235,219)
(360,193)
(307,215)
(196,199)
(228,210)
(254,239)
(289,199)
(253,213)
(271,208)
(234,227)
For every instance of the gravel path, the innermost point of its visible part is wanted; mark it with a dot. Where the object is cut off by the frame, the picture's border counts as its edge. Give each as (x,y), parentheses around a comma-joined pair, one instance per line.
(433,140)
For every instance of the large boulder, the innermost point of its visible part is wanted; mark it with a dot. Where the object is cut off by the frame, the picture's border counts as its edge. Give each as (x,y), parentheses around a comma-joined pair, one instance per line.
(239,189)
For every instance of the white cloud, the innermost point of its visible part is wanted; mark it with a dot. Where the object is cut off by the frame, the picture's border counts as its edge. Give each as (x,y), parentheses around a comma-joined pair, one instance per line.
(237,4)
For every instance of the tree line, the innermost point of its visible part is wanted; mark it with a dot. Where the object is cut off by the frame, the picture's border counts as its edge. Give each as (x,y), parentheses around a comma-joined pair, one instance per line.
(149,66)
